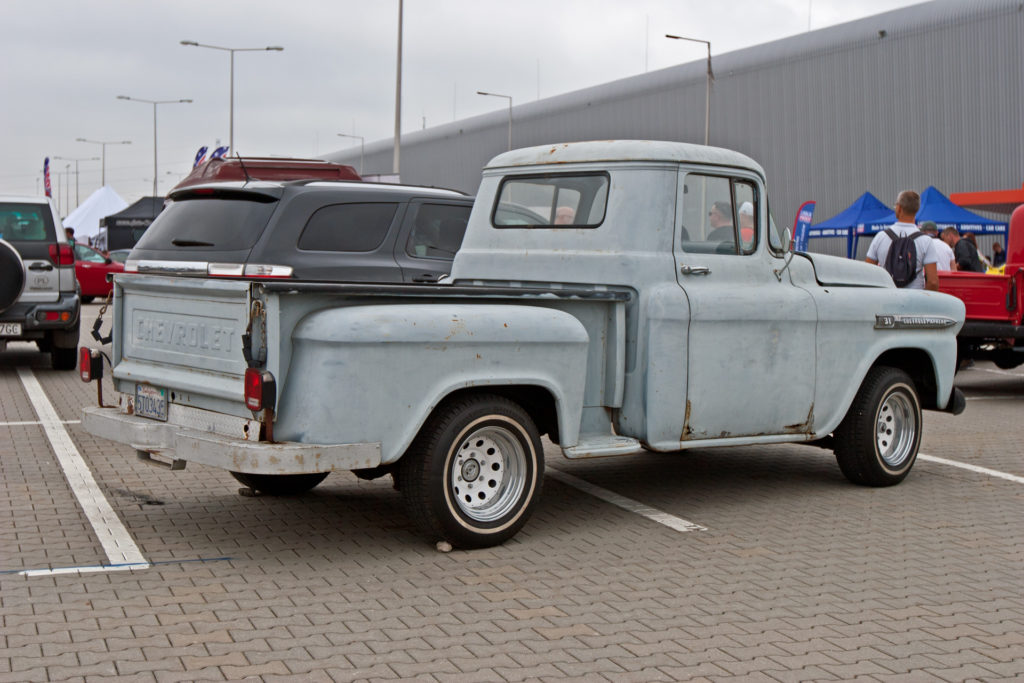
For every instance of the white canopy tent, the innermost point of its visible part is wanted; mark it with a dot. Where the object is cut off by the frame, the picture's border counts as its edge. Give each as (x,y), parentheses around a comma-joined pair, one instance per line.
(86,217)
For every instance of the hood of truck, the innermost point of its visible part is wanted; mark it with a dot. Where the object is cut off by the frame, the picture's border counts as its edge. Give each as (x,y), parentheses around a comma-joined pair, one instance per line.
(835,271)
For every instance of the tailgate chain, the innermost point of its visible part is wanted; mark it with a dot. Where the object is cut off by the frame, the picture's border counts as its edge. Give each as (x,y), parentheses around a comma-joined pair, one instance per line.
(99,321)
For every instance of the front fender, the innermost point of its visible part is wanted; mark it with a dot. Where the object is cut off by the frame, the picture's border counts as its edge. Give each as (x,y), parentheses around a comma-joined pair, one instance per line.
(374,373)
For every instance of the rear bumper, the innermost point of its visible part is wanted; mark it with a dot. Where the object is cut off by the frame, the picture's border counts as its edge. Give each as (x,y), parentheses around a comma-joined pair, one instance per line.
(175,442)
(32,316)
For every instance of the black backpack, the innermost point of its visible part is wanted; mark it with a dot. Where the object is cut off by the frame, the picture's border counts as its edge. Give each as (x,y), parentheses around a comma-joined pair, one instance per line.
(901,261)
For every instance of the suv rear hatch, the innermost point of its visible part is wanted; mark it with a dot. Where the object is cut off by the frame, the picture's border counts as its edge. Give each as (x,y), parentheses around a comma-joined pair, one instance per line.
(207,231)
(30,229)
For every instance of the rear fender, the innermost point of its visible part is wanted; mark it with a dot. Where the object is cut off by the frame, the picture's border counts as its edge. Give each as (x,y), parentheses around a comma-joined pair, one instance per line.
(375,373)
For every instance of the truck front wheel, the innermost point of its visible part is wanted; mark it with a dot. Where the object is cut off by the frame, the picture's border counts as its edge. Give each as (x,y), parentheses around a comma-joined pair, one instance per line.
(877,442)
(474,472)
(280,484)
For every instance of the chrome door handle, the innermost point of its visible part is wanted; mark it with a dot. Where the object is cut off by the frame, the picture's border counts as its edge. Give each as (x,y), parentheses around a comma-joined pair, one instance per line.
(695,270)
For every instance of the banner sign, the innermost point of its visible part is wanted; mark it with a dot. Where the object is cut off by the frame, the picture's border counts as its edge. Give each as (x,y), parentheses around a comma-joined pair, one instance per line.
(801,226)
(46,176)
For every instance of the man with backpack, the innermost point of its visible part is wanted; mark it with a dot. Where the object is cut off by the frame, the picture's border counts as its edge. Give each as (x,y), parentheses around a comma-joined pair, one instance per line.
(905,252)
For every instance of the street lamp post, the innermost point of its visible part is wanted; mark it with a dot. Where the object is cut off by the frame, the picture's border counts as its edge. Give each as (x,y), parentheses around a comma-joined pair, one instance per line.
(154,103)
(509,98)
(77,198)
(361,148)
(710,77)
(231,106)
(103,144)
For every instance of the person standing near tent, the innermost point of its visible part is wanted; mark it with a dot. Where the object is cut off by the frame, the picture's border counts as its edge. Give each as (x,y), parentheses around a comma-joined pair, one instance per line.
(926,274)
(944,259)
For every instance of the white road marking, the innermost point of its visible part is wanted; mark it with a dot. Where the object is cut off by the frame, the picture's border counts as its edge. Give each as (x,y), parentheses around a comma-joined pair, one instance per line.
(973,468)
(671,521)
(85,570)
(999,372)
(24,423)
(112,534)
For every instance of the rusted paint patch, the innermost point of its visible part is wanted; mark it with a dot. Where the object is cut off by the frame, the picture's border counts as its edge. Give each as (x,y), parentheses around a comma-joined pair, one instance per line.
(805,427)
(687,432)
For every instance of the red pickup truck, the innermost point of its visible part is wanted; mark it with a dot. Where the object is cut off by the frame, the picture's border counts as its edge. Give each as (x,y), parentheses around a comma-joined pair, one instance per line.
(995,304)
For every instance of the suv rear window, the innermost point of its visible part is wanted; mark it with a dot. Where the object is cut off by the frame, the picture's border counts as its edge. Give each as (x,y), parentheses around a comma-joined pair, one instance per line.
(348,227)
(218,222)
(26,222)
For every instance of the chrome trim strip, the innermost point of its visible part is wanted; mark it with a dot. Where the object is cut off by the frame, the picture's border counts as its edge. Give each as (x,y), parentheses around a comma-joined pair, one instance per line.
(913,322)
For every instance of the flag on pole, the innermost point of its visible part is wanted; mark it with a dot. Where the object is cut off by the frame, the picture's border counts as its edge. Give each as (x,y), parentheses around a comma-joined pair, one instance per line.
(802,225)
(200,157)
(46,177)
(219,152)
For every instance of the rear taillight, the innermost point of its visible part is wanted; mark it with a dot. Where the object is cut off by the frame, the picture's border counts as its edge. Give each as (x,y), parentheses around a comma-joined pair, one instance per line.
(90,364)
(260,390)
(61,254)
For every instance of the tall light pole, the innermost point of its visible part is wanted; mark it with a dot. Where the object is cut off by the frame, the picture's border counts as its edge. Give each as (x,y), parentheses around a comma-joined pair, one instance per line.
(154,103)
(233,50)
(398,99)
(710,77)
(509,98)
(361,148)
(77,199)
(103,144)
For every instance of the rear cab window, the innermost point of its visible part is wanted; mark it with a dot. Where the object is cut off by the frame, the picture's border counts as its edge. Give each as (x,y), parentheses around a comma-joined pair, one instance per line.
(551,200)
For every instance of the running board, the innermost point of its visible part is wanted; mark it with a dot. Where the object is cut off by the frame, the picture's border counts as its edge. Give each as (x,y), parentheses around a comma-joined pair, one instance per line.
(601,445)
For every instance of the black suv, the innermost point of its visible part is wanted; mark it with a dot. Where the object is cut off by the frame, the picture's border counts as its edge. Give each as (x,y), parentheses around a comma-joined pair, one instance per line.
(39,298)
(333,231)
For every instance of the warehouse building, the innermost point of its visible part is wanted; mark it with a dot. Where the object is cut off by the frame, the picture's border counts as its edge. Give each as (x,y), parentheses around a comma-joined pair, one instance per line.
(925,95)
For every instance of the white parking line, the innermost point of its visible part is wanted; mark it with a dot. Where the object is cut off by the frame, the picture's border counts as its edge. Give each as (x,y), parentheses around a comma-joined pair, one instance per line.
(663,518)
(973,468)
(117,542)
(23,423)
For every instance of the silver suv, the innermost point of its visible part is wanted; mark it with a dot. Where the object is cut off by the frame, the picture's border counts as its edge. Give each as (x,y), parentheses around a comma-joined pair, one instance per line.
(39,296)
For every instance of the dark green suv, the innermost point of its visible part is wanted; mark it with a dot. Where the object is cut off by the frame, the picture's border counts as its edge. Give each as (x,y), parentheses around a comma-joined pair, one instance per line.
(39,297)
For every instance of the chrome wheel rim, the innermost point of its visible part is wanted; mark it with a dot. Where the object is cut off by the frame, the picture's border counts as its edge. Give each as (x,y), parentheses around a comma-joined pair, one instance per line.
(896,429)
(488,473)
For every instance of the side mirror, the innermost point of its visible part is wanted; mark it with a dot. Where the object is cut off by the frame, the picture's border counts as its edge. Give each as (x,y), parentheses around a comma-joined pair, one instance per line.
(789,255)
(789,239)
(108,260)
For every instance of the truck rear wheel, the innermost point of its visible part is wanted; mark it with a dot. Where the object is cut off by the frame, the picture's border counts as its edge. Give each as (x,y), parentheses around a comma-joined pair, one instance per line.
(474,472)
(280,484)
(877,442)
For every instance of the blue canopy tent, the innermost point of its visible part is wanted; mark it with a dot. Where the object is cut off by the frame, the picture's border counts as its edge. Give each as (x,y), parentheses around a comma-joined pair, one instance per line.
(867,215)
(936,207)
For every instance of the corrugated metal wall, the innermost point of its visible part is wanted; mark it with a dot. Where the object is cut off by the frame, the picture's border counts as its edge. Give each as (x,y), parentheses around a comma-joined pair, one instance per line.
(926,95)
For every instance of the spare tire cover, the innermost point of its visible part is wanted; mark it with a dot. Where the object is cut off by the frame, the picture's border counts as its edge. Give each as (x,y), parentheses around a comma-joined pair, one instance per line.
(12,275)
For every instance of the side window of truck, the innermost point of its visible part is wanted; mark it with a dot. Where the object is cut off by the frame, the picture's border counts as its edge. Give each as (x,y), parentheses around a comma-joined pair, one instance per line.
(348,227)
(552,200)
(437,230)
(720,215)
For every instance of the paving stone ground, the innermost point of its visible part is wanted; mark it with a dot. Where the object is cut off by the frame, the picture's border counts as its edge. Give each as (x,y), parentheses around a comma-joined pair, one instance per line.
(799,576)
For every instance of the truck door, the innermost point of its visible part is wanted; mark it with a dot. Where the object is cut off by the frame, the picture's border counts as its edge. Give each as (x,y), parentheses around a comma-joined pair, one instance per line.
(751,337)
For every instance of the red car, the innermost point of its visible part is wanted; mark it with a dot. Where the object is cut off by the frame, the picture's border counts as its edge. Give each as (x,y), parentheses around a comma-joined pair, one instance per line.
(91,268)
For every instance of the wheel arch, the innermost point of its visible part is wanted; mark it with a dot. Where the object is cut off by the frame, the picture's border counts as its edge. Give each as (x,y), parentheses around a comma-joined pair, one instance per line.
(920,365)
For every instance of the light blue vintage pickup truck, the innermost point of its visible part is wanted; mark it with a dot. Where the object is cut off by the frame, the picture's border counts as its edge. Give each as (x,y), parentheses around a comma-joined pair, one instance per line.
(616,296)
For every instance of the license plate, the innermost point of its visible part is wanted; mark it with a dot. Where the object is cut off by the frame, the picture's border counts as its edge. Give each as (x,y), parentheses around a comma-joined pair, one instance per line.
(151,402)
(10,329)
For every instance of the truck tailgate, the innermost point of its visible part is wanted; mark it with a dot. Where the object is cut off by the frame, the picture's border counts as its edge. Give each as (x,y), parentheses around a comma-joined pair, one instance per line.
(183,335)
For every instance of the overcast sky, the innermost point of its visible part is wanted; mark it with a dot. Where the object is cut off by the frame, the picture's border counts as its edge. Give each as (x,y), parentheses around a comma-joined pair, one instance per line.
(64,62)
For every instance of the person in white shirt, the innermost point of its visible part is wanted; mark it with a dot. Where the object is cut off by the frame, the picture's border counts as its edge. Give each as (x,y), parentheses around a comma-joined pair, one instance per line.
(927,276)
(945,261)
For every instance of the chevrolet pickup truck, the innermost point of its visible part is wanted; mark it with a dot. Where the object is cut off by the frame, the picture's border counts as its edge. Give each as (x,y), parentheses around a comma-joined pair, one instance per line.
(591,301)
(994,326)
